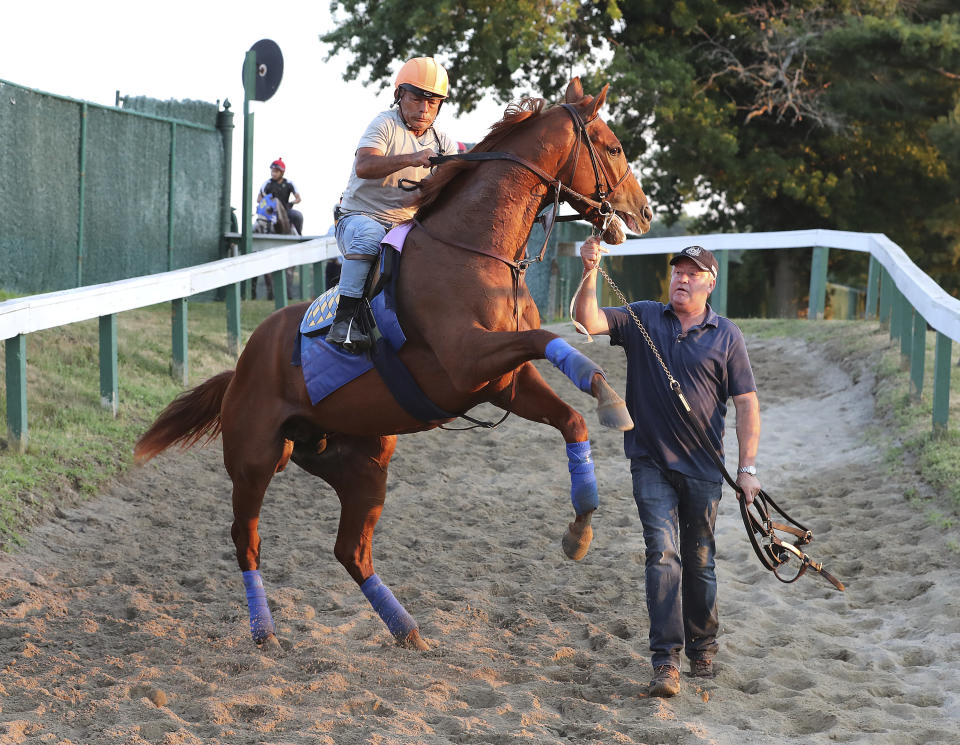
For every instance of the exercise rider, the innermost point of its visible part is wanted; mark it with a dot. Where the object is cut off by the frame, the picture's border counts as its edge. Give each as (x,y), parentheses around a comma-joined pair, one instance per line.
(398,144)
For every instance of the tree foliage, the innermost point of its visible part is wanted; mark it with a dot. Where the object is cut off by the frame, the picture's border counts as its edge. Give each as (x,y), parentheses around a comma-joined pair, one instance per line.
(776,114)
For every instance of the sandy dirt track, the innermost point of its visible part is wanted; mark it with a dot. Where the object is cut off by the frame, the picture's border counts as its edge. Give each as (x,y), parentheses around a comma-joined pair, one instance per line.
(124,620)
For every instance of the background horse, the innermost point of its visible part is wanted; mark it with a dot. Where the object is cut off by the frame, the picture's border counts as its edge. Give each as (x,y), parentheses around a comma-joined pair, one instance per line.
(272,217)
(472,330)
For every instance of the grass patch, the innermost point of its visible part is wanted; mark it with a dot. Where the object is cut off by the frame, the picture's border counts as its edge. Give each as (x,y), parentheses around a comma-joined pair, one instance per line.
(75,446)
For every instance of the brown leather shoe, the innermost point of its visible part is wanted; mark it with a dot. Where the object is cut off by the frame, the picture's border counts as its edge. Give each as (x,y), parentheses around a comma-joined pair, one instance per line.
(701,668)
(666,681)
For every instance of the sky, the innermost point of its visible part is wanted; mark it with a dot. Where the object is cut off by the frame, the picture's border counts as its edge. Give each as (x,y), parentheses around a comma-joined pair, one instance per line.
(194,51)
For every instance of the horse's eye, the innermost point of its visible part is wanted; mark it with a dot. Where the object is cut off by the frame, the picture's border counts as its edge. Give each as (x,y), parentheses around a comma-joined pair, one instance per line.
(614,151)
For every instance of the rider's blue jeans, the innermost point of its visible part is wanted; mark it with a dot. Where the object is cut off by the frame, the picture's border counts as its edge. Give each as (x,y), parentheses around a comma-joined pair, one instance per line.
(678,513)
(358,238)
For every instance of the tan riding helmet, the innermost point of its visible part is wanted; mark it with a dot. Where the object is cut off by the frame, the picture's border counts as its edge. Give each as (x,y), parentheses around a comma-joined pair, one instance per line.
(424,75)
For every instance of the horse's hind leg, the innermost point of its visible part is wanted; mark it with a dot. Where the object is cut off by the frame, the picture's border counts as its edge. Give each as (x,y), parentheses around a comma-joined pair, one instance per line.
(531,398)
(356,467)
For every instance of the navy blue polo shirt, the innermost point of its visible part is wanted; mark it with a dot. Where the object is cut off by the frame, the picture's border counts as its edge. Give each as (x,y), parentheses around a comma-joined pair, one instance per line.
(711,364)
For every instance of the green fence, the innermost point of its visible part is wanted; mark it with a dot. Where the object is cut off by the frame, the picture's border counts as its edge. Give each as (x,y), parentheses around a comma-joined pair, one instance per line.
(95,193)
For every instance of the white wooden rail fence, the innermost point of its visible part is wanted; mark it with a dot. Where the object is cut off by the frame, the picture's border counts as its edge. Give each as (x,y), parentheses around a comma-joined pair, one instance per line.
(898,293)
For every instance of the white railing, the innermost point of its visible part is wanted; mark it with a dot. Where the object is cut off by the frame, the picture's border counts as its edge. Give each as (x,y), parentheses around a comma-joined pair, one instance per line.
(906,296)
(936,306)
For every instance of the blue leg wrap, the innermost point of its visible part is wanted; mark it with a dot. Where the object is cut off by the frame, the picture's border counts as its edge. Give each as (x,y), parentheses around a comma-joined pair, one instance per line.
(261,622)
(388,607)
(583,482)
(575,365)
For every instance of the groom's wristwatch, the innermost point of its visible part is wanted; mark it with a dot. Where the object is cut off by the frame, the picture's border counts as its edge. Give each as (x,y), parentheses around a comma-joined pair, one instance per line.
(752,470)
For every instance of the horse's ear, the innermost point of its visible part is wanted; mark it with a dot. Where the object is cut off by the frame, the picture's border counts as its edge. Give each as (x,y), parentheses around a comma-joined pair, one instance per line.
(598,102)
(574,91)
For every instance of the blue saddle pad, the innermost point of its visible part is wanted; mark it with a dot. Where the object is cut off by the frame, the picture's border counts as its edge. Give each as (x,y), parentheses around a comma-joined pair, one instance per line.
(327,367)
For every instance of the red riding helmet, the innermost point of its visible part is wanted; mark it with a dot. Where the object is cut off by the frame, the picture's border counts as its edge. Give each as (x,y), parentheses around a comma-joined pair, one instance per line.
(278,164)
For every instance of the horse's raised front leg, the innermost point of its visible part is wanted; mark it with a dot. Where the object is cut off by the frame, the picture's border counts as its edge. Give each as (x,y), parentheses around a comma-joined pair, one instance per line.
(533,399)
(356,467)
(479,355)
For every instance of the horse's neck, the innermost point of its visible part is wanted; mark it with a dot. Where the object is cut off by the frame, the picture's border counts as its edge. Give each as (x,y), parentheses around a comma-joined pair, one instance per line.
(492,214)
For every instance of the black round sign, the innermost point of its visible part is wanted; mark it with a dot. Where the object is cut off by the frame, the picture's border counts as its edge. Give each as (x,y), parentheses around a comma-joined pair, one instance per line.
(269,70)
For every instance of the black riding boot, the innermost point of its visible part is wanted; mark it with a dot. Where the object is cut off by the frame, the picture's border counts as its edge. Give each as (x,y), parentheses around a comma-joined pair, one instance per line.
(345,331)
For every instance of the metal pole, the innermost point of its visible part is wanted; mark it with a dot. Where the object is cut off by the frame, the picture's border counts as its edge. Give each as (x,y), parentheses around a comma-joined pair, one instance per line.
(249,85)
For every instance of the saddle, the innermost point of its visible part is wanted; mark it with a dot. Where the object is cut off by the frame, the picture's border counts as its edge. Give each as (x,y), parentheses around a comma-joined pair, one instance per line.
(327,367)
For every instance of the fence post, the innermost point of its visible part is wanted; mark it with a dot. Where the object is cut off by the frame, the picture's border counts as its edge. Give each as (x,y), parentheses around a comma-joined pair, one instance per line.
(941,383)
(180,367)
(225,125)
(906,329)
(232,293)
(873,289)
(16,362)
(895,315)
(279,289)
(887,293)
(918,353)
(818,283)
(319,278)
(109,376)
(718,299)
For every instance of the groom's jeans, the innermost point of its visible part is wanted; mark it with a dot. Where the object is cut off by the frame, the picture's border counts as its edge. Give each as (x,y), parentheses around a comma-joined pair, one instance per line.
(678,513)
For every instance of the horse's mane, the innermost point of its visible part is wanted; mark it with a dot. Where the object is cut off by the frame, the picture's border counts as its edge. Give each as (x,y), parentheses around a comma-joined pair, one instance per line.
(514,115)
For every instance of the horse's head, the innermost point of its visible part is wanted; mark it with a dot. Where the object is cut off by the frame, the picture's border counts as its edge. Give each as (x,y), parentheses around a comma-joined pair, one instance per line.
(601,169)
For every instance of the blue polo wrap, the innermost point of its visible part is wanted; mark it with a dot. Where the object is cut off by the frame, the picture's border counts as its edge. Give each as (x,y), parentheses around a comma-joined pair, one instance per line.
(388,607)
(583,481)
(261,622)
(575,365)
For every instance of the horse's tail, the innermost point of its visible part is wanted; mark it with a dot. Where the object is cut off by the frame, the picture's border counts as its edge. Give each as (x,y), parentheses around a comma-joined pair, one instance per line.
(190,417)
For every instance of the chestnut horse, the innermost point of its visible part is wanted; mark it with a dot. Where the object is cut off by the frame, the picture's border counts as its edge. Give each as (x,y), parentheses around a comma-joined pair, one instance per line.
(472,330)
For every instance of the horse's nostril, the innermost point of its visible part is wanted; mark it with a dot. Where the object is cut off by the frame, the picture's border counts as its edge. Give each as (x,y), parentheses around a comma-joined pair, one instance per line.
(647,212)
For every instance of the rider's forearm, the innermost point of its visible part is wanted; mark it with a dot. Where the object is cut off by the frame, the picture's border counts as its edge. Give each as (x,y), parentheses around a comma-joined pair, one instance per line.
(371,166)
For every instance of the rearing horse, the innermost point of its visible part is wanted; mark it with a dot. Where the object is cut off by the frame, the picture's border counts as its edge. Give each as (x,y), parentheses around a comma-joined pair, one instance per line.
(472,330)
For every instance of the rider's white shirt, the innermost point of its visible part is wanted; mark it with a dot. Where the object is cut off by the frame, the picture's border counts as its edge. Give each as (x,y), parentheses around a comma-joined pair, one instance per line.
(383,199)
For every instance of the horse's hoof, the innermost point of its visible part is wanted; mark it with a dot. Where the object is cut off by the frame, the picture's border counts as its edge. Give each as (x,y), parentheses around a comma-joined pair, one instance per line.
(576,543)
(614,415)
(413,640)
(271,646)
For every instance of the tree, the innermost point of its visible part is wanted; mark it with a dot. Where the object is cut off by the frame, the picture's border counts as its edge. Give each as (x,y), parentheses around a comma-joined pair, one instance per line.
(776,115)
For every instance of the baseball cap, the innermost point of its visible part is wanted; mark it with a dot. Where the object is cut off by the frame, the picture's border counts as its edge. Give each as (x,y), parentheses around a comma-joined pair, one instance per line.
(699,256)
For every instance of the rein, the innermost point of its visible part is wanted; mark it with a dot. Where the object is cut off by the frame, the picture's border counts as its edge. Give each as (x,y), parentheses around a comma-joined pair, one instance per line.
(772,550)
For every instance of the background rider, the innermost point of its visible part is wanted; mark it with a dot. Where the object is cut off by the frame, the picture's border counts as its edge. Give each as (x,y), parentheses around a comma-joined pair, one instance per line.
(398,144)
(285,192)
